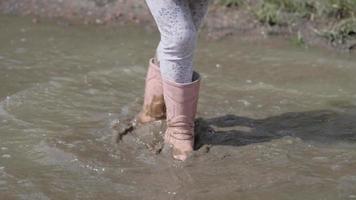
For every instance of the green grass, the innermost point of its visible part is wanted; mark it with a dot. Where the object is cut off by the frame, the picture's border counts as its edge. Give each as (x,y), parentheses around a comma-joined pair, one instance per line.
(341,32)
(270,11)
(277,12)
(231,3)
(286,12)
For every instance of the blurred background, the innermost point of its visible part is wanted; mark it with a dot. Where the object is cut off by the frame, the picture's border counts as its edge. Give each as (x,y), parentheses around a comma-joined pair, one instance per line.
(307,22)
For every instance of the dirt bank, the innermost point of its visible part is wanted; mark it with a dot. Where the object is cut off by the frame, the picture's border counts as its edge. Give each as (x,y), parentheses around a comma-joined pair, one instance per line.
(222,21)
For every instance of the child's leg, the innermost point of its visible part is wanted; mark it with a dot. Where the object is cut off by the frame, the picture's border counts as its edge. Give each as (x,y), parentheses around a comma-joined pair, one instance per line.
(178,38)
(178,30)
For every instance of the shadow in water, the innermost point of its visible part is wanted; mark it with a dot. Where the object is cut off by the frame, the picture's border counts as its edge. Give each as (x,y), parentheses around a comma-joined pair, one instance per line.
(321,126)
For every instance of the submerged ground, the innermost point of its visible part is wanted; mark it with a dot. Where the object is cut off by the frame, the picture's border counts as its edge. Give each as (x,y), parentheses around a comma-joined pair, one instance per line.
(276,121)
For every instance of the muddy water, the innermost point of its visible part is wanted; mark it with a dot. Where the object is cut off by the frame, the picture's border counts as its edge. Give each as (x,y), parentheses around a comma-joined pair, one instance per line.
(276,121)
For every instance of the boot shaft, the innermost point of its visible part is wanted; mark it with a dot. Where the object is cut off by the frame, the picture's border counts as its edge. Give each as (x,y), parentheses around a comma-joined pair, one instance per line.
(153,105)
(181,101)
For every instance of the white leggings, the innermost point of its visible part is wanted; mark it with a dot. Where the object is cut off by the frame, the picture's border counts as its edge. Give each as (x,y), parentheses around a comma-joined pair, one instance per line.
(178,22)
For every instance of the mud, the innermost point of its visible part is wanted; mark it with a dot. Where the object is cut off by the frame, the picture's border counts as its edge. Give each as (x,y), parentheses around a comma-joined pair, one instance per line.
(274,121)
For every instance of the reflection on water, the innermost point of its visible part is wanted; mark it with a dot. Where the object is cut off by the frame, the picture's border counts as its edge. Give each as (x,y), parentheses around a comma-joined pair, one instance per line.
(276,121)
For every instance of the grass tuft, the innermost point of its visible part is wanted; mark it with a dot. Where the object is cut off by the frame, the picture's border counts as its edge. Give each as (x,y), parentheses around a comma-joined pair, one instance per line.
(341,13)
(341,32)
(231,3)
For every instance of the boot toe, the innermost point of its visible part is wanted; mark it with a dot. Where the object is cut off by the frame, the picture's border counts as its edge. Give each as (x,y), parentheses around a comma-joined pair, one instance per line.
(144,119)
(180,155)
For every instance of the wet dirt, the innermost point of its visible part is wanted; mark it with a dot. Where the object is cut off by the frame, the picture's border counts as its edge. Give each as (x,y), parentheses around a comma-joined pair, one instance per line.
(274,121)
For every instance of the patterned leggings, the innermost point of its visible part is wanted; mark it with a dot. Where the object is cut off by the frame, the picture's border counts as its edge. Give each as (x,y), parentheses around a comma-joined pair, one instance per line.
(178,22)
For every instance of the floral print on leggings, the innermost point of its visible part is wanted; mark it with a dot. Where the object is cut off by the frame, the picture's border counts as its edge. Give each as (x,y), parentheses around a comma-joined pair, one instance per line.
(178,22)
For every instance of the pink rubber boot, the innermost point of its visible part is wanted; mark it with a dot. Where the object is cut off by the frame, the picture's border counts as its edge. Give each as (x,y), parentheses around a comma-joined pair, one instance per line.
(153,106)
(181,102)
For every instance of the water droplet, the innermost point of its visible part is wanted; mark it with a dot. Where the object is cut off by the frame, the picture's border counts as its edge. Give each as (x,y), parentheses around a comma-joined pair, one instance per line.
(98,21)
(6,156)
(245,102)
